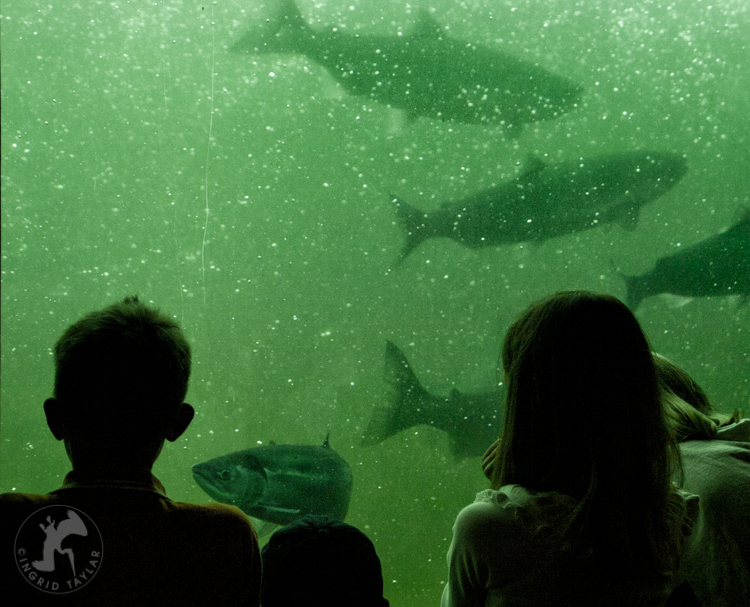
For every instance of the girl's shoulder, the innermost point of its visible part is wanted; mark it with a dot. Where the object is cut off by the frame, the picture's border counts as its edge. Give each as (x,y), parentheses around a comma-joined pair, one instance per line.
(519,506)
(521,497)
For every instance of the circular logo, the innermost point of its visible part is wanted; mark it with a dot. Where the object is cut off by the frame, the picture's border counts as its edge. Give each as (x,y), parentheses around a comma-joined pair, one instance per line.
(58,549)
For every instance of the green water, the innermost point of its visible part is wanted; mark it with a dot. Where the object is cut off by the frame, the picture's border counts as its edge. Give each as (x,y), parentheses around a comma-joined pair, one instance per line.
(287,287)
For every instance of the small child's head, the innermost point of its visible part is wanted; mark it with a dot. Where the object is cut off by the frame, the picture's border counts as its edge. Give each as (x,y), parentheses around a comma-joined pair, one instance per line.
(316,560)
(121,375)
(686,405)
(679,382)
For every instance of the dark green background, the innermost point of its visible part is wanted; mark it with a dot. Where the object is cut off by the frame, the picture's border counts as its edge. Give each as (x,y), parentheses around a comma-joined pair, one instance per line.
(106,154)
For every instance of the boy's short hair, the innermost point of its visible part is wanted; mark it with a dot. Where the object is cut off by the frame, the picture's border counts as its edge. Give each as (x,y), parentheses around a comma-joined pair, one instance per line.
(319,560)
(128,355)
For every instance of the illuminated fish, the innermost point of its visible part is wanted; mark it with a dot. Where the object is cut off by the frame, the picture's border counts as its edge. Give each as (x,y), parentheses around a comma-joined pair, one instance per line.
(280,483)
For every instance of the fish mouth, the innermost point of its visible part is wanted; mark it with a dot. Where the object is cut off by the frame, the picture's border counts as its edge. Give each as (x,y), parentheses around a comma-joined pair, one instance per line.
(202,481)
(214,492)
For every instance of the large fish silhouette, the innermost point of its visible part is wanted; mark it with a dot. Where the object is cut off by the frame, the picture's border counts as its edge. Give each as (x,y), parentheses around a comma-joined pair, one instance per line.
(280,483)
(716,266)
(427,72)
(548,200)
(471,420)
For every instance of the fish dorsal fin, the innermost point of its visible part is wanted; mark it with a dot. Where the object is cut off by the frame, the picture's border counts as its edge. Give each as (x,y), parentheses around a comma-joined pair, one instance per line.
(272,442)
(325,442)
(426,26)
(533,164)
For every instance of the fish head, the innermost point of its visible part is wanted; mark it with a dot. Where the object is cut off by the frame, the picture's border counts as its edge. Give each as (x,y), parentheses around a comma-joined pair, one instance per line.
(673,166)
(237,479)
(656,173)
(633,180)
(570,96)
(551,96)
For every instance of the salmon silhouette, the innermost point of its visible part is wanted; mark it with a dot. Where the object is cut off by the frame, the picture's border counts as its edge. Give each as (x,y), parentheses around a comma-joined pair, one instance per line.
(548,200)
(426,72)
(716,266)
(471,420)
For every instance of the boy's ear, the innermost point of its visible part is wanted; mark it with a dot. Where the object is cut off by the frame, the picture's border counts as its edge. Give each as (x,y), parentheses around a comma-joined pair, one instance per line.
(56,413)
(179,423)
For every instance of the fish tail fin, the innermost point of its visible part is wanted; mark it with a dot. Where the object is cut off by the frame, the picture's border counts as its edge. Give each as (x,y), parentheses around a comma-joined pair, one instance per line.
(280,32)
(405,398)
(412,220)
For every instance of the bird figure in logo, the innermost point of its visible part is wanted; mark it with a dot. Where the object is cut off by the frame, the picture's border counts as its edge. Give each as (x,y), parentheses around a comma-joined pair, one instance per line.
(73,525)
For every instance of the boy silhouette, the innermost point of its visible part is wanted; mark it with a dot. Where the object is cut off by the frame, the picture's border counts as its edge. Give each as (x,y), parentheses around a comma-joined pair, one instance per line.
(121,375)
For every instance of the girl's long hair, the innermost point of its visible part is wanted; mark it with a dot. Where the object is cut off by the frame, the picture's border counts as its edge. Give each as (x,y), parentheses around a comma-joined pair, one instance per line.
(583,418)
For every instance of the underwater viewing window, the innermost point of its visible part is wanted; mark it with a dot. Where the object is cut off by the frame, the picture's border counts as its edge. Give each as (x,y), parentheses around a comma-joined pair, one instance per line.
(346,204)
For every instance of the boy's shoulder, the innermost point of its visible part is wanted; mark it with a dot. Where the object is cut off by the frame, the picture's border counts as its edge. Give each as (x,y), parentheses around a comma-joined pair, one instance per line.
(220,514)
(15,503)
(15,497)
(203,554)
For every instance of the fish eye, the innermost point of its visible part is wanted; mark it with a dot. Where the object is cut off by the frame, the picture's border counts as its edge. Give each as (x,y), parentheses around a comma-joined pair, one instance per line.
(224,475)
